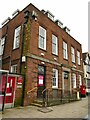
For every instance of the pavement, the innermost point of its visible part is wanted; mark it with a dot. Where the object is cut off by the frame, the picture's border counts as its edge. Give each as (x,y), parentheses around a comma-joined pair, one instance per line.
(77,109)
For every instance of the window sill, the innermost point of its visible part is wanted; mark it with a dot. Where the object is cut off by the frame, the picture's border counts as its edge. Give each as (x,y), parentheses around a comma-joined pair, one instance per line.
(42,49)
(15,49)
(73,62)
(65,59)
(55,88)
(79,65)
(55,54)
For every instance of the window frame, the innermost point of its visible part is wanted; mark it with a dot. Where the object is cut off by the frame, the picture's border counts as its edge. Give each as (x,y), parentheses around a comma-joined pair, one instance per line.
(43,37)
(73,54)
(80,80)
(16,37)
(74,83)
(65,50)
(2,44)
(15,65)
(54,44)
(55,78)
(78,57)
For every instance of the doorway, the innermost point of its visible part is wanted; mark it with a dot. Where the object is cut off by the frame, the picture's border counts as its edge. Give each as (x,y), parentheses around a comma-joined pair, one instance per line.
(41,81)
(66,83)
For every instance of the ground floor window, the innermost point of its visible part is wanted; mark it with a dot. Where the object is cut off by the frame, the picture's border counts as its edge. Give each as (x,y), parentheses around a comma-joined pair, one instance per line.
(80,80)
(55,78)
(14,68)
(74,80)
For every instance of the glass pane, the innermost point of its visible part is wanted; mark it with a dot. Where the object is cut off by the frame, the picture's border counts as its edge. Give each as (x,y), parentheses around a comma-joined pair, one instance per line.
(53,48)
(40,69)
(41,42)
(41,31)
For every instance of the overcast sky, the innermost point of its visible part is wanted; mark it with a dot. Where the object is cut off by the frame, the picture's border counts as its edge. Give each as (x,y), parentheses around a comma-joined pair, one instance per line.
(72,13)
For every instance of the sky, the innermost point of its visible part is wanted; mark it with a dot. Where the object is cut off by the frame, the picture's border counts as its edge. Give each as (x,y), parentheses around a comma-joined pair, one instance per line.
(72,13)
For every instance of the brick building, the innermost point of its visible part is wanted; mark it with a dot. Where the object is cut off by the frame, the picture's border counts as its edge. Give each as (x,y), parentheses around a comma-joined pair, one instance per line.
(34,44)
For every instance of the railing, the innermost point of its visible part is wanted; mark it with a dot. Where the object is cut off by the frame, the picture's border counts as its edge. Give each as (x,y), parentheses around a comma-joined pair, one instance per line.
(32,90)
(45,100)
(64,96)
(52,96)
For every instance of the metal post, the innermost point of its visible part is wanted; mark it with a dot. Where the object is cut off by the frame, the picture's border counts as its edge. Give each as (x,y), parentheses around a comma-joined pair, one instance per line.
(61,95)
(3,106)
(46,102)
(23,90)
(69,95)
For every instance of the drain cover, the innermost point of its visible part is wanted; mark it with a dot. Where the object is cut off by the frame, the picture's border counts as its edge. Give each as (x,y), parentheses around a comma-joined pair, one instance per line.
(45,109)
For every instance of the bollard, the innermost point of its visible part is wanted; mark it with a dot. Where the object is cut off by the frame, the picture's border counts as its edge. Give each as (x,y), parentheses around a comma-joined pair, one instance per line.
(78,98)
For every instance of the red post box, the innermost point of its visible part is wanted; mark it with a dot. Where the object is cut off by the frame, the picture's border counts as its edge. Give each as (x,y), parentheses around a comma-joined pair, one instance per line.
(83,90)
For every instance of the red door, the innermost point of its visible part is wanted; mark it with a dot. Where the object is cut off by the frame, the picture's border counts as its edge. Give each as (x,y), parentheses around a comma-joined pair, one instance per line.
(10,91)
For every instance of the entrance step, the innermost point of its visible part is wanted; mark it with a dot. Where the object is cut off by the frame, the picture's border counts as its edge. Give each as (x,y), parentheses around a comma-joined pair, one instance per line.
(38,103)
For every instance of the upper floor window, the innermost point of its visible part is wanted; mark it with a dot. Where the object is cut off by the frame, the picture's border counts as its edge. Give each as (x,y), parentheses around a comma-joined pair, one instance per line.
(54,45)
(42,38)
(14,68)
(65,52)
(74,80)
(55,78)
(73,54)
(2,43)
(78,57)
(16,37)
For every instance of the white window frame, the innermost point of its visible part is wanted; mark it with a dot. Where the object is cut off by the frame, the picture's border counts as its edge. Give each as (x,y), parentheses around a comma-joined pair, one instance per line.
(54,45)
(42,38)
(2,43)
(74,80)
(16,37)
(65,50)
(78,57)
(14,68)
(55,78)
(73,54)
(80,80)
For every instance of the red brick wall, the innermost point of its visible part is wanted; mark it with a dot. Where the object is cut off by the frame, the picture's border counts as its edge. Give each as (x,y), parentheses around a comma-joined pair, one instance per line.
(31,47)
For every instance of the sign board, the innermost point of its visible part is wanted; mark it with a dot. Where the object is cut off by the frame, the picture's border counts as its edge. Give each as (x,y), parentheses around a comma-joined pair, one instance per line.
(40,80)
(20,80)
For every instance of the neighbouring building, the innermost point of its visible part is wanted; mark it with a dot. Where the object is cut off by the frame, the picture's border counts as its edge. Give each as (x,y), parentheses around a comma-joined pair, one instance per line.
(86,66)
(35,44)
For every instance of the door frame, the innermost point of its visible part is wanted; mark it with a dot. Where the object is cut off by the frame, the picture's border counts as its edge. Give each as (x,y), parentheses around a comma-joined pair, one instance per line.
(44,81)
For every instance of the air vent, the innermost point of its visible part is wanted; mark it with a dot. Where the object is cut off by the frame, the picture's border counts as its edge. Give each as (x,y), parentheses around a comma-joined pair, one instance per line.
(59,23)
(15,12)
(67,29)
(6,21)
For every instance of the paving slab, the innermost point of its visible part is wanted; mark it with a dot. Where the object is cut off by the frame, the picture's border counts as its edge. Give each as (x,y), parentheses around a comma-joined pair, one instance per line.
(77,109)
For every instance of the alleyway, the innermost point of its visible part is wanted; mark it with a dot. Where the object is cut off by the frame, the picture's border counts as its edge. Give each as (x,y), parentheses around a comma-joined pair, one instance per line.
(77,109)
